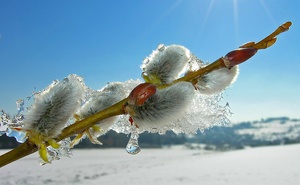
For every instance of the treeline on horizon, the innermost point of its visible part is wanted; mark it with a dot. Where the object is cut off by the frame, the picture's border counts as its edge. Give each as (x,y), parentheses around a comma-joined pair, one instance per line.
(215,138)
(115,140)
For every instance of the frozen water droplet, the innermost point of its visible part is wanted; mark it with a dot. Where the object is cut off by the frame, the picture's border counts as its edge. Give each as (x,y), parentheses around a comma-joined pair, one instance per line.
(56,154)
(20,105)
(146,61)
(19,135)
(52,154)
(133,145)
(64,149)
(66,80)
(161,47)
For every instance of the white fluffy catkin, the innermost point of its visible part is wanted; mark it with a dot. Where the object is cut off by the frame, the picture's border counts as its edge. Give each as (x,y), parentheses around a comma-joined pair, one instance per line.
(217,81)
(53,107)
(214,82)
(165,64)
(112,93)
(163,108)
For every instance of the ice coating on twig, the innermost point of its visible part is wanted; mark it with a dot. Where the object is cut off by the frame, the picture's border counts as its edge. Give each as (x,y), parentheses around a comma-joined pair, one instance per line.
(172,108)
(109,95)
(99,100)
(165,64)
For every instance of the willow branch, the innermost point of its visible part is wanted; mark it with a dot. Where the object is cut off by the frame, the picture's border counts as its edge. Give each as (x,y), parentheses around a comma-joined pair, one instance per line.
(270,39)
(78,127)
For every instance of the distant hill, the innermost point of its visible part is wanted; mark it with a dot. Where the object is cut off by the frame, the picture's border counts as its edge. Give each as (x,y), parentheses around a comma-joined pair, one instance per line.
(270,131)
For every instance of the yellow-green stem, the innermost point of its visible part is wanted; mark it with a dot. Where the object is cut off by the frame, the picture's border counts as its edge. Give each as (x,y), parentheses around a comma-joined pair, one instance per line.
(196,74)
(21,151)
(80,126)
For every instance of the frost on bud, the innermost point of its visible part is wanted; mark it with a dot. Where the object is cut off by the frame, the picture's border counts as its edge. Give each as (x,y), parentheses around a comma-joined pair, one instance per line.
(112,93)
(165,64)
(52,110)
(161,109)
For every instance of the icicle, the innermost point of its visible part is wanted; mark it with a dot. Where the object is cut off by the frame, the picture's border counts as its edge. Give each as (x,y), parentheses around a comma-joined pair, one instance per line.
(132,146)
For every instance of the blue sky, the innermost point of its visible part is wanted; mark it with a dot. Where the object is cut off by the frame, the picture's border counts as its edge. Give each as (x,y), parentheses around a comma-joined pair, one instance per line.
(105,41)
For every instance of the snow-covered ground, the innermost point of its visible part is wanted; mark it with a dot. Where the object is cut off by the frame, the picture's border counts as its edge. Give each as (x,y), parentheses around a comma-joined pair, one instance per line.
(277,165)
(277,129)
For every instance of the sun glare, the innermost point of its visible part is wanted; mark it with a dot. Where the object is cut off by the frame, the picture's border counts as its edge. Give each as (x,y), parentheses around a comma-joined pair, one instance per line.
(207,13)
(268,12)
(236,16)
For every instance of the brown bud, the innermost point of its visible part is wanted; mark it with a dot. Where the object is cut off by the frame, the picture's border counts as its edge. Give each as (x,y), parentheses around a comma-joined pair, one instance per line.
(141,93)
(238,56)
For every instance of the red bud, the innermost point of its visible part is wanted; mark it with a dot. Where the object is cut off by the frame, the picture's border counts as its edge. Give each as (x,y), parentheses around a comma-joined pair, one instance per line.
(238,56)
(141,93)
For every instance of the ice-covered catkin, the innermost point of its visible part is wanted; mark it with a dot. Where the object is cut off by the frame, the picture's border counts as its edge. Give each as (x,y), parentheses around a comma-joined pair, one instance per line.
(214,82)
(109,95)
(165,64)
(160,110)
(53,108)
(217,81)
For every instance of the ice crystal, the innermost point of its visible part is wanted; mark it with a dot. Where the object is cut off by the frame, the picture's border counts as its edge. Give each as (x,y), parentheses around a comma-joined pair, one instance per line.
(8,126)
(4,120)
(20,136)
(203,113)
(62,151)
(122,125)
(20,106)
(131,84)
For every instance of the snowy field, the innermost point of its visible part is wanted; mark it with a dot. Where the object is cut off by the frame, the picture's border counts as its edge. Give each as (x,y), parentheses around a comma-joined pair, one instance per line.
(278,165)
